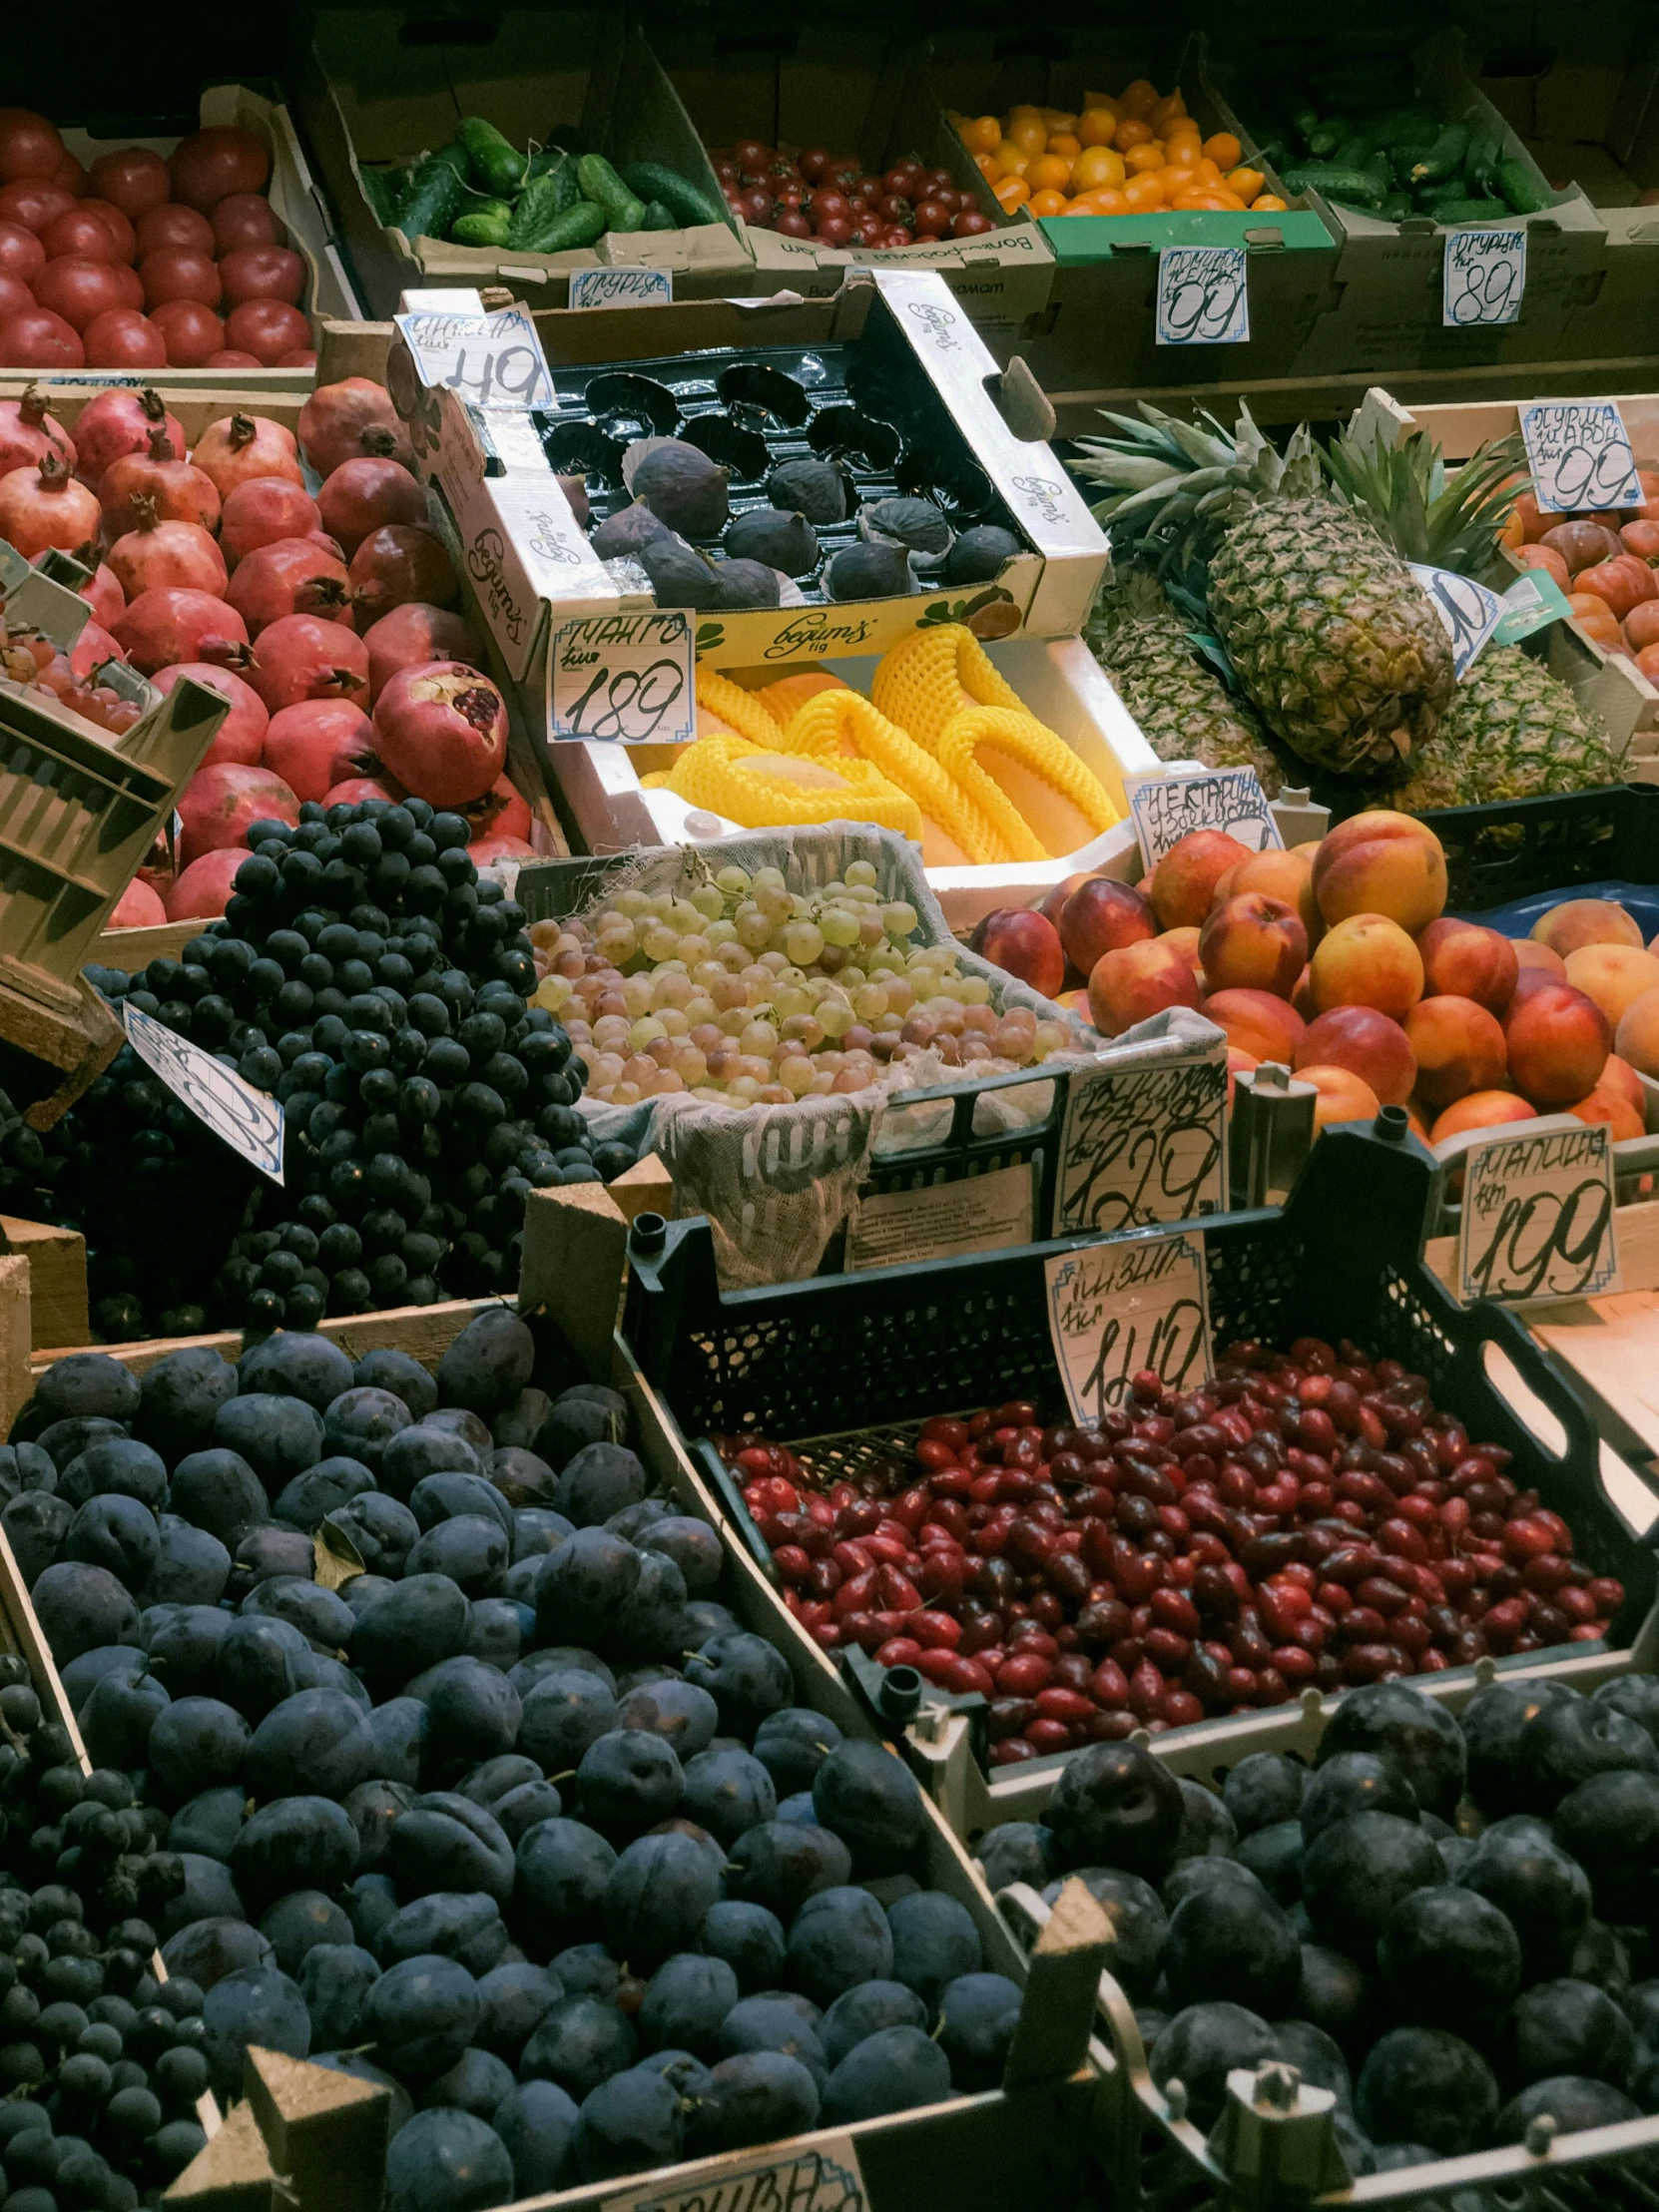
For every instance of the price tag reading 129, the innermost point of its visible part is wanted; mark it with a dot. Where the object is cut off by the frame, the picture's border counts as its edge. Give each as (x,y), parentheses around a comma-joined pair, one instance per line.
(625,677)
(1579,453)
(1114,1308)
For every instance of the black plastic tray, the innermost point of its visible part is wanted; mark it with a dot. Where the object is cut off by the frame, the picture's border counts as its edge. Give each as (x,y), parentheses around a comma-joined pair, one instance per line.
(1522,848)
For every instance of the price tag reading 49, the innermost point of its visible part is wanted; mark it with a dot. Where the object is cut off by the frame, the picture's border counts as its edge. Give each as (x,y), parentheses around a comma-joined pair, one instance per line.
(1579,453)
(1538,1219)
(624,676)
(1115,1308)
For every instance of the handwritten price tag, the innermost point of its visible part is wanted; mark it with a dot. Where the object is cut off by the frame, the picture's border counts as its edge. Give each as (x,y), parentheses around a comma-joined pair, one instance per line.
(1167,807)
(1141,1146)
(491,359)
(250,1121)
(1579,453)
(1117,1308)
(1537,1215)
(1469,611)
(1203,295)
(1484,277)
(621,288)
(824,2178)
(627,677)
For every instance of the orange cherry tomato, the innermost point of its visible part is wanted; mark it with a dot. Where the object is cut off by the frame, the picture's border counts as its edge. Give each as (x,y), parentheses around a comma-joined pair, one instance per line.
(1223,150)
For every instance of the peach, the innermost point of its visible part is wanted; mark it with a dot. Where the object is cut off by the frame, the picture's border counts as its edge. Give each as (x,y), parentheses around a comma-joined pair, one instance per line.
(1286,875)
(1252,942)
(1099,916)
(1018,940)
(1638,1034)
(1343,1096)
(1480,1110)
(1184,881)
(1076,1002)
(1459,1048)
(1585,921)
(1302,998)
(1606,1104)
(1619,1076)
(1238,1064)
(1558,1041)
(1256,1022)
(1380,863)
(1367,960)
(1613,975)
(1368,1044)
(1530,954)
(1134,981)
(1469,960)
(1185,942)
(1054,904)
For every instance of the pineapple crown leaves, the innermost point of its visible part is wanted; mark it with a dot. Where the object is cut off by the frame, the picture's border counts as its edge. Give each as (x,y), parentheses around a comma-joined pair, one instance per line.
(1403,491)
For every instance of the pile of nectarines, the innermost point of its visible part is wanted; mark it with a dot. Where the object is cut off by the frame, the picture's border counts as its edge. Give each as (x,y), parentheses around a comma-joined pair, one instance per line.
(1335,959)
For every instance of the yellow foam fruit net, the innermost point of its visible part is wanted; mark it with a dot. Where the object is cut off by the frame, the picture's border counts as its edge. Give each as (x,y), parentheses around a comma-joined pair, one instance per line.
(736,708)
(842,725)
(768,788)
(934,674)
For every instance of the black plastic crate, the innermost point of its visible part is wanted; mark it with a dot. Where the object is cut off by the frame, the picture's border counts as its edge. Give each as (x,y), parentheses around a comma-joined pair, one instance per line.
(1523,847)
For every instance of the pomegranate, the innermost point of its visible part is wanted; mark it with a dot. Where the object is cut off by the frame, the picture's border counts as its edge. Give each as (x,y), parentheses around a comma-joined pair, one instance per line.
(173,226)
(21,253)
(244,219)
(357,789)
(442,730)
(176,273)
(117,423)
(240,736)
(242,446)
(351,420)
(121,337)
(181,492)
(28,434)
(159,555)
(304,656)
(194,333)
(261,510)
(396,565)
(101,592)
(125,237)
(80,289)
(29,145)
(268,328)
(211,164)
(138,907)
(318,744)
(503,812)
(218,804)
(496,847)
(168,625)
(291,577)
(262,272)
(204,888)
(363,495)
(133,180)
(43,505)
(34,337)
(413,633)
(91,650)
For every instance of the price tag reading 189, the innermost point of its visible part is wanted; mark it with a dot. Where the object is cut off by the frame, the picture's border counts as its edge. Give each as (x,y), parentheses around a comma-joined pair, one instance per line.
(627,678)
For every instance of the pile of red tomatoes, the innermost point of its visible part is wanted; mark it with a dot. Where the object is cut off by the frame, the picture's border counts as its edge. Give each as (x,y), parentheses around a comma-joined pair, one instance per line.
(830,197)
(144,263)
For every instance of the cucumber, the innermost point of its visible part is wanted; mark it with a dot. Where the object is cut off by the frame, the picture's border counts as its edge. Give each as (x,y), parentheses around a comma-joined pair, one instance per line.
(1355,151)
(485,225)
(1355,185)
(534,209)
(1414,125)
(1471,209)
(1304,121)
(495,166)
(433,199)
(1444,159)
(659,217)
(383,188)
(650,181)
(1325,138)
(581,224)
(1514,179)
(1382,173)
(623,209)
(1395,208)
(1484,154)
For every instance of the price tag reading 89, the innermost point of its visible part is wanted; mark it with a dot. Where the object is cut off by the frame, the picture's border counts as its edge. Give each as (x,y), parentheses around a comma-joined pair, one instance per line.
(626,679)
(1484,277)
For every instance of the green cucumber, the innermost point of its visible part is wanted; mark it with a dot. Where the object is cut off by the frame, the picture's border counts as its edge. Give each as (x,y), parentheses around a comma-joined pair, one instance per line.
(1416,124)
(383,188)
(1356,185)
(1355,151)
(1514,179)
(1395,208)
(581,224)
(1304,121)
(689,206)
(434,196)
(1471,209)
(1484,154)
(485,225)
(1444,159)
(496,166)
(659,217)
(534,209)
(1325,138)
(623,209)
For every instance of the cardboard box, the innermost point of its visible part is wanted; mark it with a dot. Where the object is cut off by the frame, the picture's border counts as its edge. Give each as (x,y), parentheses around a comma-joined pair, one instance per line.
(532,567)
(370,100)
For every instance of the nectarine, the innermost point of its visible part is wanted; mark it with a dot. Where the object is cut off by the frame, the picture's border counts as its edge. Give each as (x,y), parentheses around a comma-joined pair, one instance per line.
(1134,981)
(1258,1023)
(1618,1075)
(1018,940)
(1469,960)
(1638,1034)
(1100,915)
(1480,1110)
(1606,1104)
(1343,1096)
(1530,954)
(1459,1048)
(1557,1041)
(1367,960)
(1279,875)
(1252,942)
(1615,975)
(1184,881)
(1364,1042)
(1579,921)
(1380,863)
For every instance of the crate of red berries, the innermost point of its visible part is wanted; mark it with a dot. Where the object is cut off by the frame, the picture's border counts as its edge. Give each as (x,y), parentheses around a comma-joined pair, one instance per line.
(1349,1499)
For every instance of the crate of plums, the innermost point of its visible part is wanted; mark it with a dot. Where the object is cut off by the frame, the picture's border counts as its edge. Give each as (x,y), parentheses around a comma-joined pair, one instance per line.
(1437,1910)
(471,1783)
(799,478)
(1346,1496)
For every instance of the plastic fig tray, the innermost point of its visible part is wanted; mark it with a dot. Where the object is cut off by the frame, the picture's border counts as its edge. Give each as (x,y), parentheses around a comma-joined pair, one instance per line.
(864,404)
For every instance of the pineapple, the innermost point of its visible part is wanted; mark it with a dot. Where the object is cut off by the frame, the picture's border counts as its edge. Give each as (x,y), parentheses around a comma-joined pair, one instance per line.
(1183,709)
(1512,731)
(1331,639)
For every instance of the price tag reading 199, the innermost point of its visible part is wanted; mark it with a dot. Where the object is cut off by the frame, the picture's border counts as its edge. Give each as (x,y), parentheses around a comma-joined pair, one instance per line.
(627,678)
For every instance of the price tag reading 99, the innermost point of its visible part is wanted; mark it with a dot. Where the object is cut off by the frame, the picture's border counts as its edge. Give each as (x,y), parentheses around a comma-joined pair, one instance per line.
(1579,453)
(628,679)
(1203,295)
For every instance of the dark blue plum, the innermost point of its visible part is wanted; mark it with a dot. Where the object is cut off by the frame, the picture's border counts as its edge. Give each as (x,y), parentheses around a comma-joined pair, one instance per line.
(413,1454)
(685,2002)
(584,1586)
(1416,1735)
(1353,1782)
(838,1938)
(317,1740)
(256,2004)
(192,1567)
(626,1782)
(685,1718)
(792,1744)
(309,1499)
(865,2012)
(933,1941)
(117,1465)
(118,1533)
(1569,1742)
(445,2160)
(198,1744)
(1224,1942)
(260,1662)
(746,1677)
(658,1898)
(210,1823)
(537,2122)
(783,1863)
(1573,2101)
(897,2069)
(579,2042)
(1264,1788)
(381,1530)
(978,2014)
(449,1924)
(751,1940)
(472,1712)
(1610,1825)
(207,1951)
(559,1891)
(512,1998)
(405,1378)
(631,2123)
(488,1363)
(1357,1870)
(597,1482)
(1116,1806)
(80,1607)
(445,1842)
(278,1437)
(477,2082)
(727,1792)
(420,2015)
(1566,2028)
(1544,1895)
(760,2096)
(359,1423)
(207,1893)
(117,1719)
(1448,1959)
(1138,1920)
(773,2023)
(1424,2086)
(297,1364)
(1275,1854)
(334,1980)
(302,1922)
(180,1398)
(300,1843)
(417,1623)
(564,1712)
(1201,2047)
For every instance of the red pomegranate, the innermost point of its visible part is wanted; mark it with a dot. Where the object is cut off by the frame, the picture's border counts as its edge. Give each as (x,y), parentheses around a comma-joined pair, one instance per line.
(240,736)
(117,423)
(291,577)
(442,730)
(344,422)
(180,491)
(242,446)
(357,789)
(415,633)
(361,495)
(161,626)
(396,566)
(91,650)
(318,744)
(158,555)
(218,804)
(204,888)
(28,434)
(502,812)
(304,657)
(43,505)
(101,592)
(497,847)
(264,509)
(138,907)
